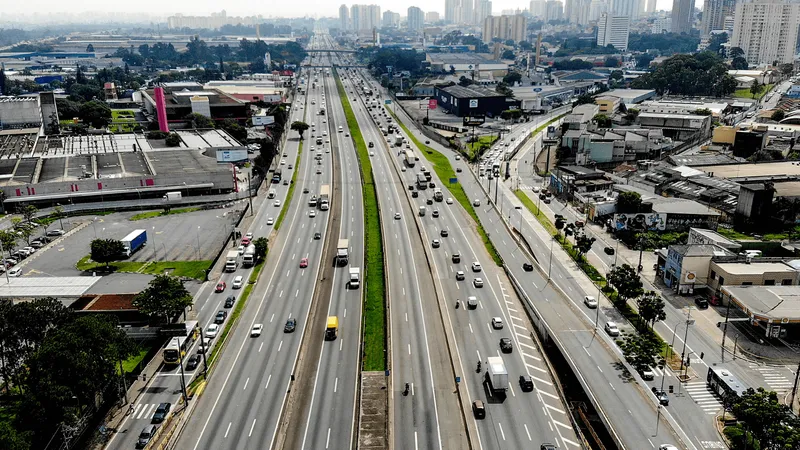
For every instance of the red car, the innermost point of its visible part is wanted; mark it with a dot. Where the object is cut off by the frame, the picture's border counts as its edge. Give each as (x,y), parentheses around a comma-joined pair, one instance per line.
(303,263)
(220,286)
(245,241)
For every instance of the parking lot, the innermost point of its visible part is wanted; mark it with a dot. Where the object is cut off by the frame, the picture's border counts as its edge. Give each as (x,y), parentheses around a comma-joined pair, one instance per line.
(180,237)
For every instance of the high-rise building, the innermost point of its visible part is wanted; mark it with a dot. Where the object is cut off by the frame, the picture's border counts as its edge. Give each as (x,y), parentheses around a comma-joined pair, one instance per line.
(391,19)
(628,8)
(483,9)
(766,30)
(344,17)
(613,30)
(596,8)
(467,11)
(365,17)
(577,11)
(416,18)
(450,9)
(431,17)
(554,10)
(651,6)
(714,14)
(661,25)
(537,8)
(373,16)
(505,27)
(682,16)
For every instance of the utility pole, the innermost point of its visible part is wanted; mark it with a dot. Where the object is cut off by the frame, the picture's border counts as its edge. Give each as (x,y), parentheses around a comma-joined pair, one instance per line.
(124,383)
(794,388)
(725,328)
(686,335)
(250,192)
(183,379)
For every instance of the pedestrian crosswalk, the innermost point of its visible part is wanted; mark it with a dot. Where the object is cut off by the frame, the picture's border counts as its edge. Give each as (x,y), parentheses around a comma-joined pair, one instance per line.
(776,378)
(704,397)
(144,411)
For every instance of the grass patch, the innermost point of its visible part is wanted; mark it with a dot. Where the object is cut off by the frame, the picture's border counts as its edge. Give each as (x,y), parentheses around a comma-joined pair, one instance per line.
(153,214)
(732,234)
(374,270)
(443,169)
(130,364)
(290,194)
(190,269)
(745,93)
(123,121)
(544,125)
(481,144)
(540,216)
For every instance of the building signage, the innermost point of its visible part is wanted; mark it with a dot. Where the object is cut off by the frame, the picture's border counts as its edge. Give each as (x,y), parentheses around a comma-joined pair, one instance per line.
(639,222)
(263,120)
(231,156)
(473,103)
(432,103)
(474,121)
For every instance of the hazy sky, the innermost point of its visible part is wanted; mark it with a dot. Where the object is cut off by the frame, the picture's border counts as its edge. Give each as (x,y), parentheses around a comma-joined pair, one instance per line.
(292,8)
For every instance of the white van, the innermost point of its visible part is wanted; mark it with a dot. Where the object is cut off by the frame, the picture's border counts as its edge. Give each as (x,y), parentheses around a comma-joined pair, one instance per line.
(421,211)
(271,193)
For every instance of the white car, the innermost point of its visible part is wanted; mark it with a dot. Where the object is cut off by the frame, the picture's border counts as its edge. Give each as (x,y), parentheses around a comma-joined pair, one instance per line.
(238,281)
(277,203)
(15,272)
(249,235)
(270,221)
(397,216)
(476,266)
(477,282)
(312,213)
(612,329)
(449,201)
(256,330)
(283,162)
(590,302)
(497,323)
(211,331)
(476,202)
(435,243)
(241,249)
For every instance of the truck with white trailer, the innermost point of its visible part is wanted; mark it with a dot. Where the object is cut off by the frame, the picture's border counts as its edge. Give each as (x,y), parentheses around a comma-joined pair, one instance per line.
(354,282)
(324,197)
(411,158)
(497,375)
(172,196)
(135,240)
(232,261)
(249,256)
(398,140)
(342,252)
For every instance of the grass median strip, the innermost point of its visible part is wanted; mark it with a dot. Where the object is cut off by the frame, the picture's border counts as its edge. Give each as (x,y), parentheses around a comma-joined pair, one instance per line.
(536,212)
(374,282)
(152,214)
(443,169)
(290,194)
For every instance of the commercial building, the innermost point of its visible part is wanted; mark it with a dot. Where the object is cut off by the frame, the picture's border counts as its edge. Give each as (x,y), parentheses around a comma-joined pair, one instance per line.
(682,16)
(714,14)
(775,310)
(766,30)
(391,19)
(627,8)
(687,266)
(661,25)
(554,10)
(680,127)
(608,104)
(570,180)
(344,18)
(472,101)
(631,96)
(613,30)
(178,101)
(416,18)
(505,28)
(431,17)
(537,8)
(466,64)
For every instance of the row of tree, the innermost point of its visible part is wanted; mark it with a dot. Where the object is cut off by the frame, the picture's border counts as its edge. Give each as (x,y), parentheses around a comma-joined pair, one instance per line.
(701,74)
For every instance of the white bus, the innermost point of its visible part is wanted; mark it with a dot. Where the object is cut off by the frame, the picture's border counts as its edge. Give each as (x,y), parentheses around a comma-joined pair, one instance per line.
(176,348)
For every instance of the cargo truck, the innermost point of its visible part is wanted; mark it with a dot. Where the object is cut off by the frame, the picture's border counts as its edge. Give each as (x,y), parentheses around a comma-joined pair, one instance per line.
(232,261)
(324,197)
(332,328)
(398,141)
(249,257)
(355,278)
(437,195)
(497,375)
(411,158)
(342,249)
(134,241)
(422,182)
(172,196)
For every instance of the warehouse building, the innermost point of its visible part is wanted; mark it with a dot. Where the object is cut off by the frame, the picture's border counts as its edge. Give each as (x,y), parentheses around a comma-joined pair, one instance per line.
(473,101)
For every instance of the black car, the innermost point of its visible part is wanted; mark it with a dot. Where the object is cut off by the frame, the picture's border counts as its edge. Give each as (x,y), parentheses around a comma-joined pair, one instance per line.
(229,301)
(542,196)
(505,345)
(415,194)
(192,362)
(609,250)
(317,235)
(662,396)
(371,144)
(458,169)
(161,412)
(525,383)
(527,267)
(701,302)
(429,201)
(291,324)
(431,185)
(443,233)
(410,187)
(221,316)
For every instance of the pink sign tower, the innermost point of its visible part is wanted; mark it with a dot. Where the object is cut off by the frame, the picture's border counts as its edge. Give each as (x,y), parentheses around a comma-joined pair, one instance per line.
(161,109)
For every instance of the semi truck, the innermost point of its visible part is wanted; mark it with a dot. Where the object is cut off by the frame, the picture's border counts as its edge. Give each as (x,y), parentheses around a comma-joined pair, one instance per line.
(249,257)
(342,249)
(355,278)
(232,261)
(324,197)
(172,196)
(497,375)
(134,241)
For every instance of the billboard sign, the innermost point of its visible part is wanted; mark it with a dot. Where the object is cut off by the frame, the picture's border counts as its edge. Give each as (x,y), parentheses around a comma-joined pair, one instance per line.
(473,103)
(263,120)
(474,121)
(432,103)
(639,222)
(231,156)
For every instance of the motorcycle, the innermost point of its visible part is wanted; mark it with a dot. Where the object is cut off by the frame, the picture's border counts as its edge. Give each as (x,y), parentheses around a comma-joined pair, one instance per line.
(406,390)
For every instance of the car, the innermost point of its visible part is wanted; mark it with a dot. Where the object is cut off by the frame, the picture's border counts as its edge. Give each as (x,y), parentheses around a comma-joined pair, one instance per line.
(547,446)
(612,329)
(397,216)
(662,396)
(460,275)
(220,317)
(497,323)
(286,155)
(590,301)
(317,236)
(476,202)
(303,263)
(458,158)
(277,203)
(55,233)
(192,362)
(290,326)
(527,267)
(283,162)
(371,144)
(431,185)
(30,250)
(476,266)
(285,181)
(505,345)
(229,301)
(319,171)
(402,168)
(312,213)
(609,250)
(245,240)
(415,194)
(37,244)
(701,302)
(270,221)
(238,282)
(449,201)
(443,233)
(240,249)
(435,243)
(256,330)
(435,213)
(161,412)
(211,331)
(220,287)
(525,383)
(427,141)
(145,436)
(647,373)
(290,167)
(15,272)
(667,447)
(429,201)
(477,282)
(458,169)
(305,190)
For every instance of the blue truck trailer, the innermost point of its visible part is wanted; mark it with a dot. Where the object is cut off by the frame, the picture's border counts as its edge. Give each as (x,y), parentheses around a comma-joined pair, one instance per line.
(134,241)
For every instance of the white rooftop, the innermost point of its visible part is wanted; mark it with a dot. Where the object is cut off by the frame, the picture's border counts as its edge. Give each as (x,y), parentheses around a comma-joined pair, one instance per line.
(39,287)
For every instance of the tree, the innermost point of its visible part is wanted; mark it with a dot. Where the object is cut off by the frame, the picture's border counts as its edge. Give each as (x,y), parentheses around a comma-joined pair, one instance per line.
(640,350)
(611,62)
(173,140)
(631,115)
(233,128)
(165,297)
(464,81)
(502,88)
(739,63)
(626,281)
(736,52)
(778,115)
(702,112)
(583,243)
(90,48)
(300,127)
(67,109)
(8,239)
(643,61)
(525,45)
(95,113)
(512,77)
(602,120)
(787,69)
(106,250)
(508,54)
(200,121)
(629,202)
(756,88)
(59,215)
(584,99)
(701,74)
(28,212)
(772,422)
(651,308)
(261,248)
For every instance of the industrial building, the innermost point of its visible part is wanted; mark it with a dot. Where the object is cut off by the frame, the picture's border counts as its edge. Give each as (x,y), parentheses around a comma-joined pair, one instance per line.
(473,101)
(184,98)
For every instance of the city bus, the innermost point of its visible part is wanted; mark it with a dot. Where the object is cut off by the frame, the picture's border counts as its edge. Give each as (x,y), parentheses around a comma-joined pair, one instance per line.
(177,346)
(722,382)
(276,176)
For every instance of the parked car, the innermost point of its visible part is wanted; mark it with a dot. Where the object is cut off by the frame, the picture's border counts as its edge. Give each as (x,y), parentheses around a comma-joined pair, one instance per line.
(701,302)
(612,329)
(15,272)
(55,233)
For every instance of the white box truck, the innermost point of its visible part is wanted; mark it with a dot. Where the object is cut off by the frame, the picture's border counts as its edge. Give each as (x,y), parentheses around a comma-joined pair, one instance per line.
(324,197)
(172,196)
(497,375)
(249,257)
(342,249)
(232,261)
(354,282)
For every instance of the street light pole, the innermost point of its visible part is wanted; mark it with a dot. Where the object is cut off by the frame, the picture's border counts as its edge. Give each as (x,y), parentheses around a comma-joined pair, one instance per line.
(183,380)
(155,246)
(550,264)
(686,335)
